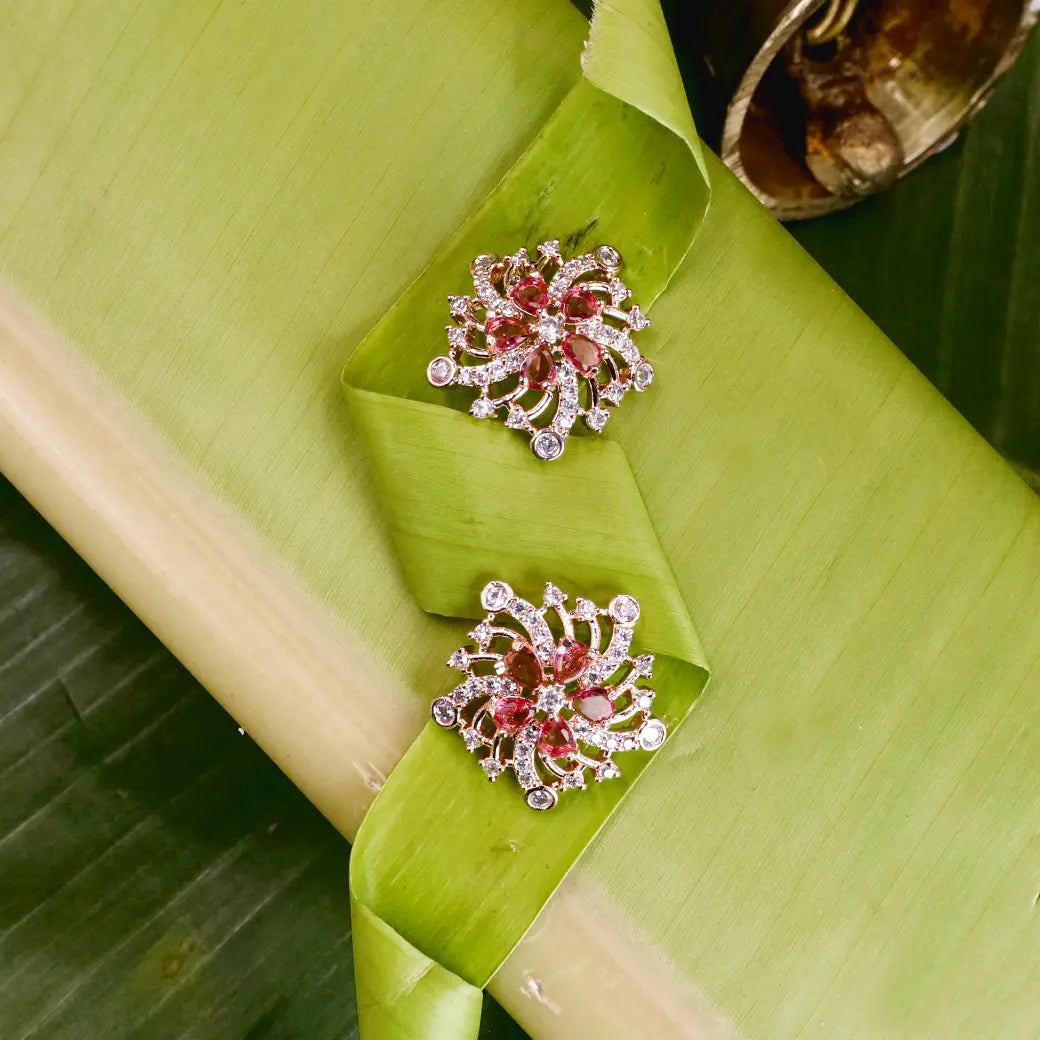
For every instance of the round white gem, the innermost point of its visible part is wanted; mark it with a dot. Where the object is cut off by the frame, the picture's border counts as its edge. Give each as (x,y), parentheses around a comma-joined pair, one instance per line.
(608,256)
(441,371)
(584,609)
(443,712)
(643,375)
(471,739)
(550,328)
(597,419)
(574,779)
(459,660)
(541,798)
(481,408)
(624,610)
(496,595)
(547,445)
(492,767)
(607,771)
(550,699)
(652,734)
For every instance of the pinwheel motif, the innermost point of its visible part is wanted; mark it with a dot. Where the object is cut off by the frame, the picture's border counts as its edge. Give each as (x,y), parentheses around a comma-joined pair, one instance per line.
(545,341)
(551,694)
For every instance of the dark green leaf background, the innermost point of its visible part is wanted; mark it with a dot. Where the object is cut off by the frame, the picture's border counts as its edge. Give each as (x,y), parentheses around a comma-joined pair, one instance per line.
(160,878)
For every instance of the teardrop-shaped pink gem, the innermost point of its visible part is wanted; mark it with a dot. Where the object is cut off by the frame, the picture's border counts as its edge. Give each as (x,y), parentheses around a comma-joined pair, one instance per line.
(540,367)
(556,739)
(582,353)
(594,703)
(505,333)
(523,667)
(530,294)
(511,713)
(579,304)
(569,659)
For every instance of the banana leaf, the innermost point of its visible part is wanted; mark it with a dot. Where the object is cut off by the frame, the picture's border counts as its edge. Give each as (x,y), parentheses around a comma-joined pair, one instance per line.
(208,206)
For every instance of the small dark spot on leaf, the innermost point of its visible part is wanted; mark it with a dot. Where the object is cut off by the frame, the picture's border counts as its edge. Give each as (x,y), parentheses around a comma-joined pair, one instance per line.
(572,241)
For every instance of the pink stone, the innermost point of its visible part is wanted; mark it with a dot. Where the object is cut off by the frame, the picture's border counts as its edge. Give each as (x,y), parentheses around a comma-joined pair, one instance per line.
(556,739)
(540,367)
(579,304)
(582,353)
(523,667)
(505,333)
(530,294)
(511,713)
(594,703)
(569,659)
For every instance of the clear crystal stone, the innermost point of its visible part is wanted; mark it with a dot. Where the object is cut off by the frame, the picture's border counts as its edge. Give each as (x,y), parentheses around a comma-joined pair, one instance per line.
(574,779)
(584,609)
(441,371)
(471,739)
(644,665)
(550,250)
(496,595)
(458,305)
(637,319)
(517,418)
(612,392)
(459,659)
(492,767)
(607,771)
(597,419)
(652,734)
(554,597)
(550,699)
(541,798)
(482,633)
(550,328)
(443,712)
(643,375)
(624,609)
(481,408)
(644,700)
(608,256)
(619,292)
(547,445)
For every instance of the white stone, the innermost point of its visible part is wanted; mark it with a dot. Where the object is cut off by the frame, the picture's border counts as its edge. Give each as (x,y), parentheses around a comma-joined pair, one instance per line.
(492,767)
(612,392)
(482,633)
(517,418)
(608,256)
(441,371)
(574,779)
(459,659)
(607,771)
(644,665)
(541,798)
(584,609)
(481,408)
(443,712)
(652,734)
(554,597)
(471,739)
(550,329)
(637,319)
(624,609)
(550,699)
(496,595)
(547,445)
(643,376)
(597,419)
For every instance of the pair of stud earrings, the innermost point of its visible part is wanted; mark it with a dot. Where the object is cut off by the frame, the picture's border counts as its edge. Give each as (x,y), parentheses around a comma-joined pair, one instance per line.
(550,693)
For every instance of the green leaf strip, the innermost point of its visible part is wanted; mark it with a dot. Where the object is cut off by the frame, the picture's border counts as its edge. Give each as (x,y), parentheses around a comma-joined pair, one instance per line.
(449,872)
